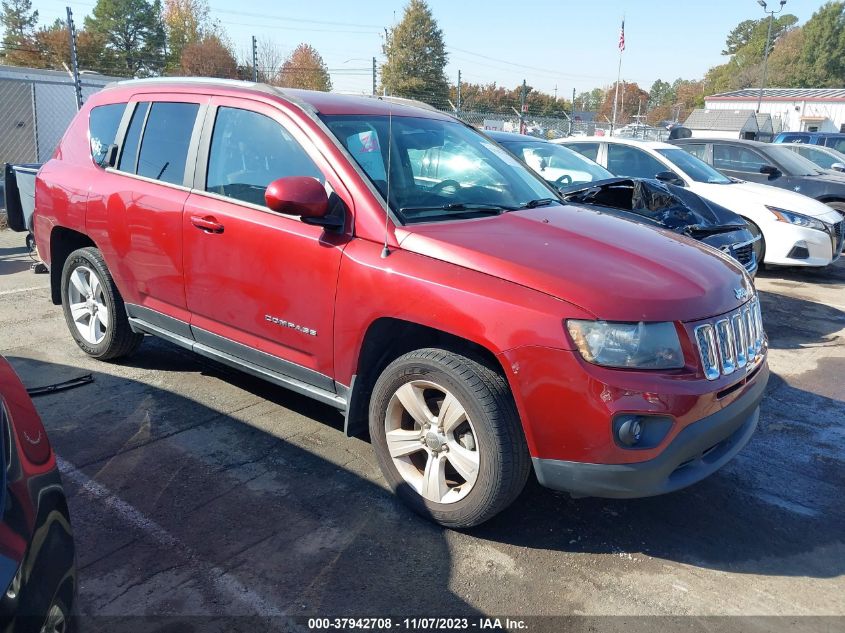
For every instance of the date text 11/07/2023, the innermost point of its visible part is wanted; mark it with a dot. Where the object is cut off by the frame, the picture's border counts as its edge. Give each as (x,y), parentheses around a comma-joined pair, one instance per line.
(417,624)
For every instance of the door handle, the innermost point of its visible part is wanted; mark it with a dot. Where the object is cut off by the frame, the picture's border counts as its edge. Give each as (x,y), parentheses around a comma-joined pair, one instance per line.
(209,223)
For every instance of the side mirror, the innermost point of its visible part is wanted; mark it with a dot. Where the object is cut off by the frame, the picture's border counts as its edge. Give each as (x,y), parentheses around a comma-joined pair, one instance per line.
(303,196)
(671,178)
(770,170)
(838,166)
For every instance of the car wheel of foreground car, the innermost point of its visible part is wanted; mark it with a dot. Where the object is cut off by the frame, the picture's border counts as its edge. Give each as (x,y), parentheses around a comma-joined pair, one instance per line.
(759,245)
(57,619)
(447,437)
(94,309)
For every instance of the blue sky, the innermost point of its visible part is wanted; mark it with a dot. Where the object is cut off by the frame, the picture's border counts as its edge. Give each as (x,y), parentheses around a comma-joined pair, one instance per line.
(549,43)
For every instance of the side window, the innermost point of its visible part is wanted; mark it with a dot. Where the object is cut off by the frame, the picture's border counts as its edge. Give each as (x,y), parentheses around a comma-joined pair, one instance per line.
(248,152)
(167,135)
(794,138)
(623,160)
(836,143)
(699,150)
(737,159)
(103,122)
(129,153)
(817,156)
(590,150)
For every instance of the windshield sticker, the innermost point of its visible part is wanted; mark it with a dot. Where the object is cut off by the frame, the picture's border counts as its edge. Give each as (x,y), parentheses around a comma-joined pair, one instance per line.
(365,147)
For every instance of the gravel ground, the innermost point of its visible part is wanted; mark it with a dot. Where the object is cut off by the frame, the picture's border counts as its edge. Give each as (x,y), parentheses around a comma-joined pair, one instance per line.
(198,491)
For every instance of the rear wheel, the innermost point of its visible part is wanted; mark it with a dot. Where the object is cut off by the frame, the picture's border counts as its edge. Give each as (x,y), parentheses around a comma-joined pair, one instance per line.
(447,437)
(93,308)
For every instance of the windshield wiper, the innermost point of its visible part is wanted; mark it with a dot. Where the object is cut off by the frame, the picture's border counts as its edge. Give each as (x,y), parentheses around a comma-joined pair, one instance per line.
(461,206)
(538,202)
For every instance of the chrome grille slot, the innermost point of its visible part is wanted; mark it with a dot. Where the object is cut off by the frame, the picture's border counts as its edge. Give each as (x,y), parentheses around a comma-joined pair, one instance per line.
(727,348)
(732,342)
(739,337)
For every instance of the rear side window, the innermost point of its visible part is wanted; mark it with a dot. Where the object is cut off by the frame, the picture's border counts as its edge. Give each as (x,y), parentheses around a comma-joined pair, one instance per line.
(103,122)
(167,135)
(129,154)
(632,162)
(248,152)
(590,150)
(836,143)
(698,150)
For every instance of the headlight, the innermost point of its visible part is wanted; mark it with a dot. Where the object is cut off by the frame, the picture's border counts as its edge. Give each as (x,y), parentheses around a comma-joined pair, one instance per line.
(797,219)
(629,345)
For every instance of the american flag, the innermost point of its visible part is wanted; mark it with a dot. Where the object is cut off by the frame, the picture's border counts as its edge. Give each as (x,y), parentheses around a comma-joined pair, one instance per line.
(622,37)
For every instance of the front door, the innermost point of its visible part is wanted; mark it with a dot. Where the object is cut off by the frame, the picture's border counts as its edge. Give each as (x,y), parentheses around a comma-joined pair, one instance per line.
(260,285)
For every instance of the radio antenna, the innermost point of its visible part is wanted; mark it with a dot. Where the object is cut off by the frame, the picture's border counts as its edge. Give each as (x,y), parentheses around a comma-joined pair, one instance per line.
(386,251)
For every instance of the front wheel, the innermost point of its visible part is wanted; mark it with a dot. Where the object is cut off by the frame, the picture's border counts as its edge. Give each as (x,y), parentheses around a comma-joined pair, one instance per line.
(93,308)
(447,437)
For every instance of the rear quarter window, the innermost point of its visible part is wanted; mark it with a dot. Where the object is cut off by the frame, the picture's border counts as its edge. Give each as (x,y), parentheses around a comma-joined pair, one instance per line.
(103,122)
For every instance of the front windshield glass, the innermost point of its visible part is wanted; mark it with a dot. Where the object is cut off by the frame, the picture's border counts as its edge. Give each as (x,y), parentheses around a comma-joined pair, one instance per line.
(693,167)
(556,164)
(792,163)
(439,169)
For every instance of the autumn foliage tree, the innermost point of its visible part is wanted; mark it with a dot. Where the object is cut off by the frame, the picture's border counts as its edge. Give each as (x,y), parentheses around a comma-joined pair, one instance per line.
(632,99)
(19,22)
(304,68)
(208,57)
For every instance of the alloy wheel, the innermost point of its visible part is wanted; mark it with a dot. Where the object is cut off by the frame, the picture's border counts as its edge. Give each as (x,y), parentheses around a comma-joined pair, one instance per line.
(432,442)
(87,301)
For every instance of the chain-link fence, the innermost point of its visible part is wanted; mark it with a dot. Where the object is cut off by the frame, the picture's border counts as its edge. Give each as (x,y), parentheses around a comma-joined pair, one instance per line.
(35,109)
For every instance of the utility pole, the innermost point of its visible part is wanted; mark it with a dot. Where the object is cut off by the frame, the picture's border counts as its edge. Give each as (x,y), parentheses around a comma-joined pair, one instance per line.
(522,108)
(74,59)
(254,60)
(458,107)
(555,92)
(762,3)
(374,76)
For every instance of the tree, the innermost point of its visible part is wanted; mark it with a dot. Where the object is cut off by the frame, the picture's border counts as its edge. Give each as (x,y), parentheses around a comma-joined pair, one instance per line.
(632,99)
(54,43)
(749,36)
(19,22)
(416,57)
(132,35)
(304,68)
(786,69)
(661,93)
(824,42)
(187,22)
(209,57)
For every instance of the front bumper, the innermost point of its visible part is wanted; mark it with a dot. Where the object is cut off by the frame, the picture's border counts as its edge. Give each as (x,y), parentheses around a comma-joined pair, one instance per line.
(789,245)
(698,451)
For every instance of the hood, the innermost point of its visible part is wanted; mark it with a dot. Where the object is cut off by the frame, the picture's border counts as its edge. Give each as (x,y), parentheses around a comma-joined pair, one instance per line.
(740,193)
(616,269)
(666,205)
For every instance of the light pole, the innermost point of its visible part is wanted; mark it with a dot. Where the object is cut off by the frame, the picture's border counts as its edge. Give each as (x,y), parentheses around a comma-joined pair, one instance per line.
(772,13)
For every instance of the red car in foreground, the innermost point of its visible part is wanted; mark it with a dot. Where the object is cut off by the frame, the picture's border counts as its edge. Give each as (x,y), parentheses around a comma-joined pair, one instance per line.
(474,324)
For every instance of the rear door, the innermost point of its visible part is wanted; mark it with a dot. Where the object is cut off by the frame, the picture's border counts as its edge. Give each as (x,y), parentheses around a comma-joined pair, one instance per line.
(632,162)
(260,285)
(135,211)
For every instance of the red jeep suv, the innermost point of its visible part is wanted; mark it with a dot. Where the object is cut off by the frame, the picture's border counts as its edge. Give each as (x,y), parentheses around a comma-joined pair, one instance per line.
(397,264)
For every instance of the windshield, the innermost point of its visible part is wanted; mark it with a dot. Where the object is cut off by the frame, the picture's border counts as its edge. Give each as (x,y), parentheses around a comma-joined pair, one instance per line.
(556,164)
(792,163)
(693,167)
(439,169)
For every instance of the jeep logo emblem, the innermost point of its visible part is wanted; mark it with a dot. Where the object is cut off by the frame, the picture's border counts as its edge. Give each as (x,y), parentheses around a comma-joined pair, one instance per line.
(740,293)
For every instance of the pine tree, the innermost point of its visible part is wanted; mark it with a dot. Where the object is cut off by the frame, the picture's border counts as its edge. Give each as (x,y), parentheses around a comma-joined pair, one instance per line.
(304,68)
(416,57)
(133,35)
(19,21)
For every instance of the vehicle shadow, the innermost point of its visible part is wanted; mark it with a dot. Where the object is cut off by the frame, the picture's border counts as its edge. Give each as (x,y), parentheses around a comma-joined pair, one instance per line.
(14,259)
(182,510)
(794,323)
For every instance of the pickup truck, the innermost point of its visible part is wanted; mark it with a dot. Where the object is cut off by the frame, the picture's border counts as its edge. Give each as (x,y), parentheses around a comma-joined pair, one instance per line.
(474,325)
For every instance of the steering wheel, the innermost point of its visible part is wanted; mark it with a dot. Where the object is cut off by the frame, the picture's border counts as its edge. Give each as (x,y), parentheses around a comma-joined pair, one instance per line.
(440,186)
(564,181)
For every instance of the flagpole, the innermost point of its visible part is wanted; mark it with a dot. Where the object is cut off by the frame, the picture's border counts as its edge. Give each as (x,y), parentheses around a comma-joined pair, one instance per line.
(618,76)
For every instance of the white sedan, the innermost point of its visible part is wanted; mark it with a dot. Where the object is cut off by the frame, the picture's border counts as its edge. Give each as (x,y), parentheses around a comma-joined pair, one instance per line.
(796,229)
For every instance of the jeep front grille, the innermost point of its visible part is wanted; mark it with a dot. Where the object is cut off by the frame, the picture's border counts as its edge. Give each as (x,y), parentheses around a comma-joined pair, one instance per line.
(732,342)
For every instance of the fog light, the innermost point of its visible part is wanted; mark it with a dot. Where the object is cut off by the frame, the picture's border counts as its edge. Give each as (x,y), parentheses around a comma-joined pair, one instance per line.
(799,251)
(640,431)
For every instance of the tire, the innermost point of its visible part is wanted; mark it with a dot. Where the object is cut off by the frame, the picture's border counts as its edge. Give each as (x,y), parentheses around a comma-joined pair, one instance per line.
(470,411)
(58,618)
(111,337)
(759,245)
